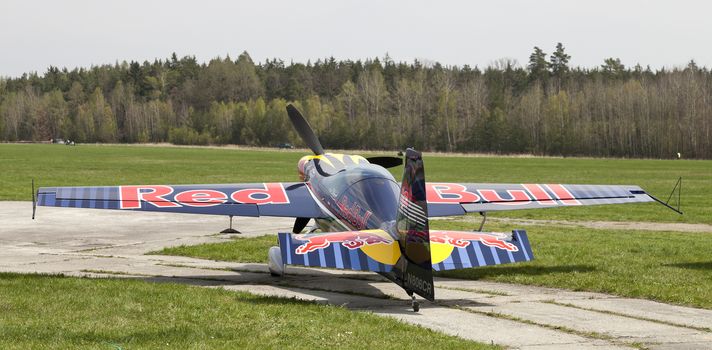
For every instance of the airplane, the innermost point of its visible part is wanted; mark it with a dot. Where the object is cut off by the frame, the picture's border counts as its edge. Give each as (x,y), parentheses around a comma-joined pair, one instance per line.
(366,220)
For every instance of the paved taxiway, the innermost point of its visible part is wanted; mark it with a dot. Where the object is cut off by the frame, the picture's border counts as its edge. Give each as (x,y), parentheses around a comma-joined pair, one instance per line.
(112,243)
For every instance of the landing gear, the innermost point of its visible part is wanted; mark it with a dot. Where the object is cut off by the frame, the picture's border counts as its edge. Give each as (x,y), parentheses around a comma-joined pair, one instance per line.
(484,218)
(230,229)
(413,303)
(276,267)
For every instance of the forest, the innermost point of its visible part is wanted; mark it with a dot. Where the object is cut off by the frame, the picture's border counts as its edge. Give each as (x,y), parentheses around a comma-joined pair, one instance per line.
(542,107)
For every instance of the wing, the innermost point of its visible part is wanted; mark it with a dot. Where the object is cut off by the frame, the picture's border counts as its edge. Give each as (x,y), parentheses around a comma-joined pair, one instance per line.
(257,199)
(445,199)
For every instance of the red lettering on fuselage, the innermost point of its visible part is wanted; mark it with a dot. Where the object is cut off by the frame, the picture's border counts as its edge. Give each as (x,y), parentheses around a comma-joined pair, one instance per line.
(449,193)
(273,193)
(201,198)
(132,196)
(352,213)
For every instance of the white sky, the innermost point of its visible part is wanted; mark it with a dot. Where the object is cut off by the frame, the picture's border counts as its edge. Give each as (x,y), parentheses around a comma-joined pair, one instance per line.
(35,34)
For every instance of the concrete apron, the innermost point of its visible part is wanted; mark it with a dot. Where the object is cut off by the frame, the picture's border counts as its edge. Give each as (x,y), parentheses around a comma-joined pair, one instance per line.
(112,244)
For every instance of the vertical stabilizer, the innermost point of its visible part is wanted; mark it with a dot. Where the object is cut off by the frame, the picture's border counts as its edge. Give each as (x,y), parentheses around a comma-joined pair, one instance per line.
(413,231)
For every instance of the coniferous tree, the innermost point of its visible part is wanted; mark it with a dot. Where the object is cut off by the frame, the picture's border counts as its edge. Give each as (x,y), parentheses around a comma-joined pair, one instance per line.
(538,66)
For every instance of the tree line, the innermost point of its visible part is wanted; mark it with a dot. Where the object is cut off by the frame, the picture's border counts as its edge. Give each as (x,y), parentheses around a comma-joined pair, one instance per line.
(544,107)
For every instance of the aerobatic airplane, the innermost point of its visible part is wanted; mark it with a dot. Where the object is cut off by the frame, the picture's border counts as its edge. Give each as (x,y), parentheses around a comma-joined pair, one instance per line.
(367,221)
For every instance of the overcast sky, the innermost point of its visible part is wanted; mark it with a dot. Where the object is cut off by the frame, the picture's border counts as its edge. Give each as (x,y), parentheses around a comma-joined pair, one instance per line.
(79,33)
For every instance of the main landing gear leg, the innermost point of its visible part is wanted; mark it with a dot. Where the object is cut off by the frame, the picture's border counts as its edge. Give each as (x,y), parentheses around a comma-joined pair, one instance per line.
(230,229)
(484,218)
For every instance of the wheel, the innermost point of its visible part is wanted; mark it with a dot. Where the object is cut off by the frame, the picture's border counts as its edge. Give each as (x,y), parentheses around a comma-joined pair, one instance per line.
(416,306)
(276,267)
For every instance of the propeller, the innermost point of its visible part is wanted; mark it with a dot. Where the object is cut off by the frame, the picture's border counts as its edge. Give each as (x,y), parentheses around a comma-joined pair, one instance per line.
(305,131)
(300,224)
(309,137)
(386,162)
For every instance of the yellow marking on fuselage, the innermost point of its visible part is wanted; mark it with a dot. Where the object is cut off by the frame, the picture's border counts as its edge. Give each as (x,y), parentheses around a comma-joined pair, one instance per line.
(358,159)
(320,157)
(340,157)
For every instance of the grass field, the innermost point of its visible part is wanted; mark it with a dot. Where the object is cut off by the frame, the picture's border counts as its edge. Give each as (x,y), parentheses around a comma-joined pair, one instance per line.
(56,165)
(77,313)
(671,267)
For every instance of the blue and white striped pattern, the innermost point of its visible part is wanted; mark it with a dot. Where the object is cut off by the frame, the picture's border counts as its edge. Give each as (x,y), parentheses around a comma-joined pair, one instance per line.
(477,254)
(79,197)
(334,255)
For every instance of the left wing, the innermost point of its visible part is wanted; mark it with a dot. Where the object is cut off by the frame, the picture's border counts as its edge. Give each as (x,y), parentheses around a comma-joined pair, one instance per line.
(445,199)
(255,199)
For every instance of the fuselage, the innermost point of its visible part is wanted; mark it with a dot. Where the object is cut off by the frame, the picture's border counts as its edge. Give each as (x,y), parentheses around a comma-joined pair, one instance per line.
(357,194)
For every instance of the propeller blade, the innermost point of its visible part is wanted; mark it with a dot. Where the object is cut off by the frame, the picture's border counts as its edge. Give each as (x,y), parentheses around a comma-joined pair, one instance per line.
(300,224)
(304,130)
(386,162)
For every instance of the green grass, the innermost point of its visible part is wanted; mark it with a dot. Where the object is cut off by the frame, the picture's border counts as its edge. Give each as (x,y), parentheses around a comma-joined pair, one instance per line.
(90,165)
(43,312)
(243,250)
(666,266)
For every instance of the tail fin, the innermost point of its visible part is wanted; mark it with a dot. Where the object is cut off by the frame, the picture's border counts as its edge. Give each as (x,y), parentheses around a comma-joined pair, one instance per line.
(413,230)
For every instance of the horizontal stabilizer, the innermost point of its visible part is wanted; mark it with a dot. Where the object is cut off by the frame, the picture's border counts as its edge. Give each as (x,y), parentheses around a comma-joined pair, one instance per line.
(375,250)
(452,250)
(368,250)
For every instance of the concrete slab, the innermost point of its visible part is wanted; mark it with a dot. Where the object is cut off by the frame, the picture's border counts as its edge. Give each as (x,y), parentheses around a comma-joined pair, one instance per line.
(650,310)
(623,328)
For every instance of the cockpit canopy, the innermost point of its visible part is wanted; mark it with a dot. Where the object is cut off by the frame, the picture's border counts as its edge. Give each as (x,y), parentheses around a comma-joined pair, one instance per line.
(366,192)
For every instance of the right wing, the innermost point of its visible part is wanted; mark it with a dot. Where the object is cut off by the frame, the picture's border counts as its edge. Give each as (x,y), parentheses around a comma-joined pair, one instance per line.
(446,199)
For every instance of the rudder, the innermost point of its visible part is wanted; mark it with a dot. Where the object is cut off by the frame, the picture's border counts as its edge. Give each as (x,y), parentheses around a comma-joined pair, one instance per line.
(413,230)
